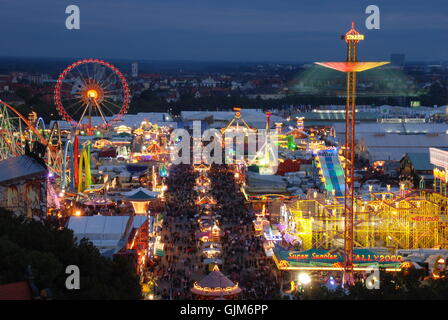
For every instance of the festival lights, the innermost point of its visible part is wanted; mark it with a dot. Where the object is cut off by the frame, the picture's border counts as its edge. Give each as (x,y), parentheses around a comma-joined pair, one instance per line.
(304,278)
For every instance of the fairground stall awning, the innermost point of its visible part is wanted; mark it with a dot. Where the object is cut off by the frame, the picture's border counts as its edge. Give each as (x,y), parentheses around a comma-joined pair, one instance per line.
(140,199)
(320,259)
(141,194)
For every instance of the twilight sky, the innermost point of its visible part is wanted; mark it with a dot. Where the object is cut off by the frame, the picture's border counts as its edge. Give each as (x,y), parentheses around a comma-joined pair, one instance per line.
(230,30)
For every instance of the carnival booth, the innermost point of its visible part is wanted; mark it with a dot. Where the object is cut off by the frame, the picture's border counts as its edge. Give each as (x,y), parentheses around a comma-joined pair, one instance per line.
(140,199)
(211,252)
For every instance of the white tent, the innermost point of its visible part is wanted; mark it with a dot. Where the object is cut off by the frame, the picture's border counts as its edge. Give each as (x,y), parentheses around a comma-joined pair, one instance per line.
(105,232)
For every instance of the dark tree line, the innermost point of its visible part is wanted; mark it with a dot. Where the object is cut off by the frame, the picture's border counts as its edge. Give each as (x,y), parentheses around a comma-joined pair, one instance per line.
(49,249)
(405,285)
(154,101)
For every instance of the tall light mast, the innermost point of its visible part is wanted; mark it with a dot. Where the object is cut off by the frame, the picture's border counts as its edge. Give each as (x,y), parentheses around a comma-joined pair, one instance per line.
(351,66)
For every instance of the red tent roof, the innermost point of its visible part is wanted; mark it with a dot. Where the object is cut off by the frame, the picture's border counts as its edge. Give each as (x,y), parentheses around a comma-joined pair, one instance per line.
(15,291)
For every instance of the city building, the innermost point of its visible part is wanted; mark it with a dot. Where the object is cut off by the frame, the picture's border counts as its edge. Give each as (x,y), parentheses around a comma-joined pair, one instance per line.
(134,70)
(416,167)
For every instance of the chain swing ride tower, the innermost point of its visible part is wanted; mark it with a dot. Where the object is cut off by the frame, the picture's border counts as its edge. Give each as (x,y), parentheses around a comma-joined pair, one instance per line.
(351,66)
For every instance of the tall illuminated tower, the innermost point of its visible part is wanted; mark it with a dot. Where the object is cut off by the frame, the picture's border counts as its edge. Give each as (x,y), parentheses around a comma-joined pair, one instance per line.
(351,66)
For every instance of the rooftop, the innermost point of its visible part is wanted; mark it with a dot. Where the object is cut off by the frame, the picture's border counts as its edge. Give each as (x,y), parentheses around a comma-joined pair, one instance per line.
(105,232)
(20,167)
(420,161)
(15,291)
(141,194)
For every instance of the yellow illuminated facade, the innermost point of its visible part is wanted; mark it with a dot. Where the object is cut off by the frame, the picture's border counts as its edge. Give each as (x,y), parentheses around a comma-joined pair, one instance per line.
(414,220)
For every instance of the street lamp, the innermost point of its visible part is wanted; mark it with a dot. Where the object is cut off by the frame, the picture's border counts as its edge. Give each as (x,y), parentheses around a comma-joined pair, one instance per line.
(304,279)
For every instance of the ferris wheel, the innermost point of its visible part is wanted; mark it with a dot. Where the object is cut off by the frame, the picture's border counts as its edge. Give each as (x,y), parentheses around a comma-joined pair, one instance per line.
(91,88)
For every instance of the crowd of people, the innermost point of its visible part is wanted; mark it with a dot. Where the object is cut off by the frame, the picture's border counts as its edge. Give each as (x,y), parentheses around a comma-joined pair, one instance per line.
(243,257)
(243,253)
(175,270)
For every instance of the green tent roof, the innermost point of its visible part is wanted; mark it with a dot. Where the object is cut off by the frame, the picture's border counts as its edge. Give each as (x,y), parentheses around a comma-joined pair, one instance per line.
(141,194)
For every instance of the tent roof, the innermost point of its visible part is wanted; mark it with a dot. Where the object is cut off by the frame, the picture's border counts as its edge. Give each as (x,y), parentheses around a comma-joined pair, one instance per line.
(105,232)
(251,116)
(420,161)
(130,120)
(392,146)
(216,279)
(402,127)
(141,194)
(19,168)
(15,291)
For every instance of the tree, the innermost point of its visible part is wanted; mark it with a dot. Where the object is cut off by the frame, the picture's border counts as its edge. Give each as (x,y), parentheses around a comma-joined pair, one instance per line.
(436,95)
(404,285)
(49,249)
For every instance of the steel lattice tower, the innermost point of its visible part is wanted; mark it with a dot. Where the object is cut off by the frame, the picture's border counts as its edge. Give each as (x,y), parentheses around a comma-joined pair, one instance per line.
(351,66)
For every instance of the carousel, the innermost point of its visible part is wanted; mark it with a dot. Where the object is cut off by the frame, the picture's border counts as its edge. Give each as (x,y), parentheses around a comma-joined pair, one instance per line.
(215,286)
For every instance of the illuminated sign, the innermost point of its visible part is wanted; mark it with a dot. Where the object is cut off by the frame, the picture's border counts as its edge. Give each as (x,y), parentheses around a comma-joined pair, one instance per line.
(354,37)
(441,174)
(420,218)
(317,258)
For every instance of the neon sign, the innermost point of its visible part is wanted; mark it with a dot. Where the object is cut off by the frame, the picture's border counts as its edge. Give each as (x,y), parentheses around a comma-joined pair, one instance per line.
(317,258)
(425,218)
(441,174)
(354,37)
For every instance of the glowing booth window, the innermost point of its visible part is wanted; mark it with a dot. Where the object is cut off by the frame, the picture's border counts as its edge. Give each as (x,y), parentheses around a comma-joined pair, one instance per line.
(140,199)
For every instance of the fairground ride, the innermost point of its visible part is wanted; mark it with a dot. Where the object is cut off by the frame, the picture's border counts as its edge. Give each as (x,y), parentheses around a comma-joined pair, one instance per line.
(351,66)
(84,176)
(91,88)
(408,219)
(17,134)
(238,124)
(267,157)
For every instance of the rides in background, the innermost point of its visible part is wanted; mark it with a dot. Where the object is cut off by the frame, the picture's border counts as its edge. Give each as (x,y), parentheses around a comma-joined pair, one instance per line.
(18,133)
(85,89)
(84,175)
(78,175)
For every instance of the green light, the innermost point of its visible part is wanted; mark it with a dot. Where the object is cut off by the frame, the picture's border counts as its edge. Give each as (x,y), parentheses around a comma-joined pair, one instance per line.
(291,143)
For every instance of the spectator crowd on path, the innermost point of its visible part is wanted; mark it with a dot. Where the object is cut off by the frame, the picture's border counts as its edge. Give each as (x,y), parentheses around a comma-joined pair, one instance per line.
(243,257)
